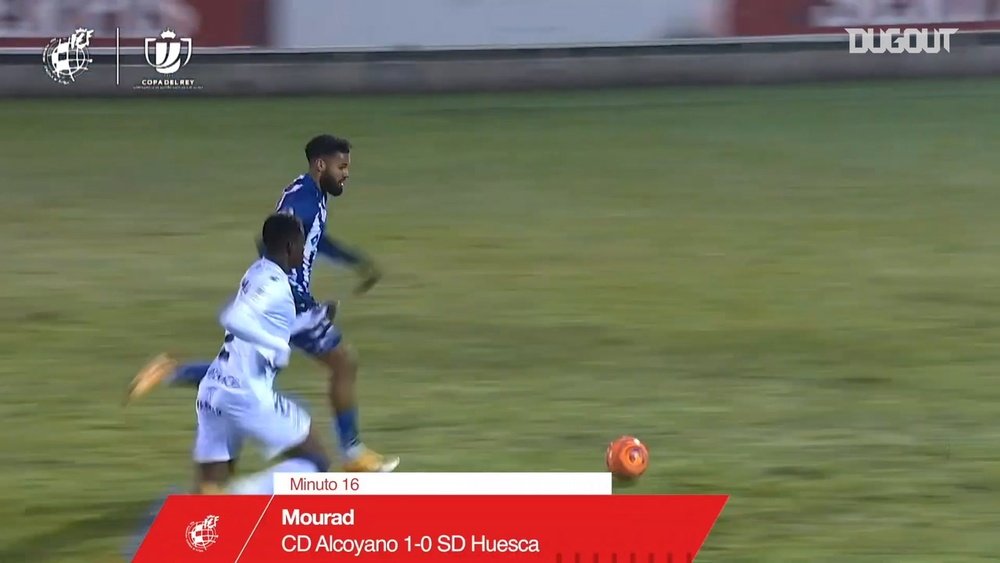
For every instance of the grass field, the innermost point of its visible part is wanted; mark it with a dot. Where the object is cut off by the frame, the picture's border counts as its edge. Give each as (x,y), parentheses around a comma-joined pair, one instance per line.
(791,294)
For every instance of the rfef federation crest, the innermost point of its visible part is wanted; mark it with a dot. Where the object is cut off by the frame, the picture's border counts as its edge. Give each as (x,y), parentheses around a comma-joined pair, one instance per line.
(201,534)
(66,58)
(168,53)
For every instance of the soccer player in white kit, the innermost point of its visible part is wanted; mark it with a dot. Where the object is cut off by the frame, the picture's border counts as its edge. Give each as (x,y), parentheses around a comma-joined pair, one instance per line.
(236,399)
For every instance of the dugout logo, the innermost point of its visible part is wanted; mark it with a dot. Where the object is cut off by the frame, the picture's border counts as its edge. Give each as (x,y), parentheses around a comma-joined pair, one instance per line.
(201,534)
(65,58)
(168,54)
(896,41)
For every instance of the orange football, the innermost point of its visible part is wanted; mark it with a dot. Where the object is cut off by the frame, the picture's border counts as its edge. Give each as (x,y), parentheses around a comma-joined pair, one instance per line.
(627,457)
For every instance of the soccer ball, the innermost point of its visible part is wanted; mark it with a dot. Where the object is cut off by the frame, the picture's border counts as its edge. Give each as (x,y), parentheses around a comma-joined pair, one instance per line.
(627,457)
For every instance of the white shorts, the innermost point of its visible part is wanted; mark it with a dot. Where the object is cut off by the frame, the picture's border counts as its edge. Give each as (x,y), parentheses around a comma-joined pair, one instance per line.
(229,412)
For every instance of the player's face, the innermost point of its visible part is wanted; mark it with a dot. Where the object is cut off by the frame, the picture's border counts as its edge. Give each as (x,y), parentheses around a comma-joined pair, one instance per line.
(334,172)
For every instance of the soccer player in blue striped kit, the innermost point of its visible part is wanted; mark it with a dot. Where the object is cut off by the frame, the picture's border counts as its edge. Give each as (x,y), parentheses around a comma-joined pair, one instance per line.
(306,198)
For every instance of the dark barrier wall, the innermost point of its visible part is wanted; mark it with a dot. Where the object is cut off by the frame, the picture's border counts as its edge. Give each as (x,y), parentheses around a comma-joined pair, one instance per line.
(234,73)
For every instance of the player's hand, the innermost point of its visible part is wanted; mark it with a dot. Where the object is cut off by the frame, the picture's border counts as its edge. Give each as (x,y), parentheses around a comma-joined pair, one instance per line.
(282,357)
(331,309)
(370,275)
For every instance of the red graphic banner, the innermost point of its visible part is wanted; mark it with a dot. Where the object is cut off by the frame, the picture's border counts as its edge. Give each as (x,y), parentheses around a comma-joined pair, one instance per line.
(209,23)
(803,17)
(432,529)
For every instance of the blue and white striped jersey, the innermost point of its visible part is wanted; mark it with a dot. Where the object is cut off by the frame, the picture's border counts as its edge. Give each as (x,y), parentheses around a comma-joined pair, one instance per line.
(305,200)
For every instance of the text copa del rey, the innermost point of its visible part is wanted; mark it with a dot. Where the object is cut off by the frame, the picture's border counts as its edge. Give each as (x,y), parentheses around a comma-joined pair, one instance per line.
(167,82)
(444,543)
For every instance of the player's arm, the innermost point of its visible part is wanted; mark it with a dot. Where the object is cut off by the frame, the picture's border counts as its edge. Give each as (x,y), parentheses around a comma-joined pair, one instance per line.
(306,211)
(337,252)
(241,317)
(366,267)
(340,253)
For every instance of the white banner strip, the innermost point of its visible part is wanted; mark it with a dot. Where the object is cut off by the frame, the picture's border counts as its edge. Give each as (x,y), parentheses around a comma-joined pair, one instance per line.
(442,484)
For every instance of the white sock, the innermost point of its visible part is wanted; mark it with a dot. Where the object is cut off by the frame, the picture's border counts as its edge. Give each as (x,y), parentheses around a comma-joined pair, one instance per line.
(352,453)
(262,483)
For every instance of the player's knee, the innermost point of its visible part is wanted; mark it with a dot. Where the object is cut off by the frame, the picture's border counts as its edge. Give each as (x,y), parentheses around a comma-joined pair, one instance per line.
(351,359)
(343,362)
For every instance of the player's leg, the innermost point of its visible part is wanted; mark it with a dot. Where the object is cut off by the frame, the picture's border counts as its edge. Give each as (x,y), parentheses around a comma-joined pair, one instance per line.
(309,456)
(216,447)
(283,429)
(322,340)
(189,374)
(342,363)
(218,440)
(211,478)
(165,370)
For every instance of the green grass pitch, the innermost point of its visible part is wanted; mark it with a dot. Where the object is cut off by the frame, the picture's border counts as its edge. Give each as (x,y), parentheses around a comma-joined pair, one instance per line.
(791,294)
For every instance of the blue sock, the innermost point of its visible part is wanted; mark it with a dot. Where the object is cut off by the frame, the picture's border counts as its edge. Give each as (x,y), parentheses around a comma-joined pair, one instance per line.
(132,548)
(347,428)
(189,374)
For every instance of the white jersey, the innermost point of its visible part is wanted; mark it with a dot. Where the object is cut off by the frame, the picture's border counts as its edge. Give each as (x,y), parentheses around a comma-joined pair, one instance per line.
(258,324)
(236,399)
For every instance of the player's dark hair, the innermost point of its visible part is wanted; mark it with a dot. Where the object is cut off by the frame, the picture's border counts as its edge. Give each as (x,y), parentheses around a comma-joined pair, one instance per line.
(279,230)
(326,145)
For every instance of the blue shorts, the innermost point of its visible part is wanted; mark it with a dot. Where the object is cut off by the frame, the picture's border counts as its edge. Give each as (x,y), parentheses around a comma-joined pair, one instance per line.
(315,334)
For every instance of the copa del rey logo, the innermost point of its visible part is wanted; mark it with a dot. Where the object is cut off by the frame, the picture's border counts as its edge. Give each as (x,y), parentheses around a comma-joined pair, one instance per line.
(895,40)
(168,53)
(201,534)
